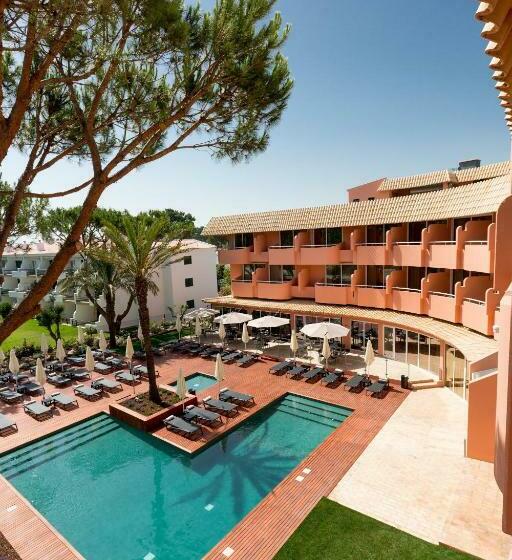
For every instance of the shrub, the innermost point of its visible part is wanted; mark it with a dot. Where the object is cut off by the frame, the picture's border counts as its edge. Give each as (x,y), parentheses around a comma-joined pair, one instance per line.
(5,309)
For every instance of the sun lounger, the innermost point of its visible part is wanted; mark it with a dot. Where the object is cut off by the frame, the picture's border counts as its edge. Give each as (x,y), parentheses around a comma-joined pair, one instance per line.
(58,399)
(378,388)
(9,396)
(105,384)
(76,360)
(313,373)
(209,352)
(116,363)
(247,360)
(29,388)
(354,382)
(142,371)
(202,416)
(182,427)
(127,377)
(78,374)
(281,367)
(89,393)
(227,408)
(58,380)
(37,410)
(6,424)
(101,367)
(231,357)
(235,396)
(297,372)
(331,378)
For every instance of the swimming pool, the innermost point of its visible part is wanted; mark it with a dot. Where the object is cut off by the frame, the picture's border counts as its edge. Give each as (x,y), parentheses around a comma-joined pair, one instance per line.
(118,494)
(198,381)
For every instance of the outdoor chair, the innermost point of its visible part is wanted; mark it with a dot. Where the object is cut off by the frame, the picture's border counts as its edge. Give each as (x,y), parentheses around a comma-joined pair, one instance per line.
(281,367)
(355,382)
(60,400)
(202,416)
(37,410)
(234,356)
(76,360)
(29,388)
(58,380)
(10,397)
(103,384)
(7,425)
(378,388)
(101,367)
(222,407)
(182,427)
(247,360)
(126,377)
(332,378)
(89,393)
(236,397)
(314,373)
(77,374)
(297,372)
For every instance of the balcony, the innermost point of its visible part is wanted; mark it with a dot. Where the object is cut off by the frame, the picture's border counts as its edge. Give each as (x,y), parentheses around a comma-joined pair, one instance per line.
(408,254)
(371,296)
(476,256)
(443,254)
(319,254)
(408,300)
(274,290)
(371,254)
(279,254)
(304,292)
(242,288)
(442,306)
(337,294)
(476,316)
(238,255)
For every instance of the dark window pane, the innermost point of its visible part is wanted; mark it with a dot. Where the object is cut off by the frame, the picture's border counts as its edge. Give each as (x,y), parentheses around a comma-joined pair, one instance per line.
(187,260)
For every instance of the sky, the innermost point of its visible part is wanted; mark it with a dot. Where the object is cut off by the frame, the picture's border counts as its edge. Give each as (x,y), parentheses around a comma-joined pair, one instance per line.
(382,89)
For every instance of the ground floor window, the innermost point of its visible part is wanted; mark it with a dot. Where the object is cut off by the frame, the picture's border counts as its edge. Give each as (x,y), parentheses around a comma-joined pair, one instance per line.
(412,348)
(457,375)
(361,332)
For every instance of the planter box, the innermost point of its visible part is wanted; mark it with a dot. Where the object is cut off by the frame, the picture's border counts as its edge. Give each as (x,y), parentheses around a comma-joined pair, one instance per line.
(148,423)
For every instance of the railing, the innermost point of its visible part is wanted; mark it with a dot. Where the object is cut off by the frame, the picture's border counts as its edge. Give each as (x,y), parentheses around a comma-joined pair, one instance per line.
(241,280)
(326,245)
(477,242)
(345,285)
(370,244)
(444,294)
(473,300)
(281,247)
(274,281)
(443,242)
(401,289)
(370,286)
(407,243)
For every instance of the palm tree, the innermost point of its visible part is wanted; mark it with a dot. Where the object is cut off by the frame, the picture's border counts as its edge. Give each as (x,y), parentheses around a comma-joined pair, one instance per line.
(138,249)
(98,277)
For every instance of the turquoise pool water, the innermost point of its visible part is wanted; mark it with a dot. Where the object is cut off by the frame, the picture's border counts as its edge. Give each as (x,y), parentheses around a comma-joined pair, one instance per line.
(119,494)
(198,381)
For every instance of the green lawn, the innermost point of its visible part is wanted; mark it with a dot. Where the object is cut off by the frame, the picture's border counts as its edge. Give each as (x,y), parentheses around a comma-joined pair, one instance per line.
(334,532)
(31,331)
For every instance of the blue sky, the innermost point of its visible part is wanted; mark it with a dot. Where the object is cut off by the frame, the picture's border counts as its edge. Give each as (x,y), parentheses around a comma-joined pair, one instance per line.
(381,89)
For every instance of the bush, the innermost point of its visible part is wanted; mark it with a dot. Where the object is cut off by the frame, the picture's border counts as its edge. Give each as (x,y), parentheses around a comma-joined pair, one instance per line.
(5,309)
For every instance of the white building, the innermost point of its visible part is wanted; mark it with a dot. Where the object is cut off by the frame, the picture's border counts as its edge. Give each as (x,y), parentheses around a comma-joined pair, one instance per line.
(185,282)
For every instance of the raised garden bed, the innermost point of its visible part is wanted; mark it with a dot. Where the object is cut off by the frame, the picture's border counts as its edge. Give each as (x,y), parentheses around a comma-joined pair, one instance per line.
(139,412)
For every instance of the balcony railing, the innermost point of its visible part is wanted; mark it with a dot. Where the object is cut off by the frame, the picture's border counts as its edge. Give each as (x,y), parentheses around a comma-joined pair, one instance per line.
(443,294)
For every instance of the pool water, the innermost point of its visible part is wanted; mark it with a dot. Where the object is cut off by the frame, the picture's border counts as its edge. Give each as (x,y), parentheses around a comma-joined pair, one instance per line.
(198,381)
(116,493)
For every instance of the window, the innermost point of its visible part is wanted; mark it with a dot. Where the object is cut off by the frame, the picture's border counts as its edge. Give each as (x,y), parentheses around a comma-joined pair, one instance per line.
(286,238)
(371,198)
(190,304)
(187,260)
(281,273)
(346,273)
(243,240)
(333,274)
(189,282)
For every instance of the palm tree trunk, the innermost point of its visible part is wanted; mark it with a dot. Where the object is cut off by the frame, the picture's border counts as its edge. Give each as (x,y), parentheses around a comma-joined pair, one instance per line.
(141,290)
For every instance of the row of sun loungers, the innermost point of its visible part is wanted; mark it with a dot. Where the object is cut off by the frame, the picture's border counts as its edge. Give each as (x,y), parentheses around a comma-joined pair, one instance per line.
(242,359)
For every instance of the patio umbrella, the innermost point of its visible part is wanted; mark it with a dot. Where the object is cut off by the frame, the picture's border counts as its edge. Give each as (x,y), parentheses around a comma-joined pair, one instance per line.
(60,353)
(44,345)
(219,370)
(178,326)
(245,335)
(80,335)
(326,350)
(102,342)
(233,318)
(369,355)
(181,387)
(294,343)
(201,312)
(2,357)
(129,356)
(319,330)
(40,373)
(89,360)
(198,330)
(14,365)
(222,333)
(140,336)
(268,322)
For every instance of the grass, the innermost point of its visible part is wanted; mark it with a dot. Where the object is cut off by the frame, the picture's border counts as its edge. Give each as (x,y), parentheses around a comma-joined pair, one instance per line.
(31,332)
(143,405)
(156,339)
(332,531)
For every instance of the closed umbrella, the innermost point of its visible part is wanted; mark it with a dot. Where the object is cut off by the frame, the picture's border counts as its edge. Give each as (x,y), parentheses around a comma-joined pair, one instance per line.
(178,326)
(319,330)
(102,342)
(219,370)
(2,357)
(140,336)
(14,365)
(80,335)
(369,355)
(233,318)
(40,373)
(245,336)
(222,333)
(89,361)
(60,353)
(294,343)
(129,356)
(181,387)
(198,330)
(44,345)
(326,350)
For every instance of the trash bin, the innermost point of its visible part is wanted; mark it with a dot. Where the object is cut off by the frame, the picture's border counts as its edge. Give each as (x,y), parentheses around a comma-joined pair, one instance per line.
(404,382)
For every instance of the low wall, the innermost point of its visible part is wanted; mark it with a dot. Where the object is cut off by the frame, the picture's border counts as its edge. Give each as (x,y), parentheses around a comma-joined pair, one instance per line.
(148,423)
(482,418)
